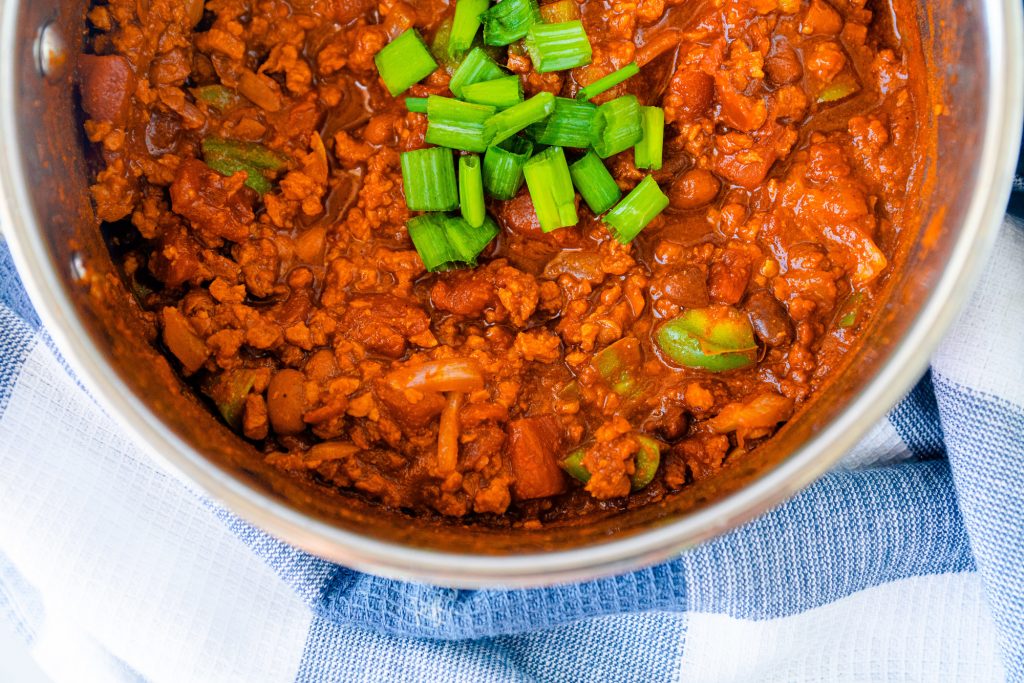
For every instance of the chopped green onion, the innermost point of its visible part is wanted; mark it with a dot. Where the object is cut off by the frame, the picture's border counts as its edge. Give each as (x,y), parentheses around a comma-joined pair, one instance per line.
(217,96)
(466,23)
(446,242)
(648,152)
(467,241)
(637,210)
(429,237)
(568,126)
(595,183)
(471,190)
(603,85)
(459,125)
(477,67)
(404,62)
(560,12)
(547,176)
(509,122)
(417,105)
(558,47)
(503,167)
(509,20)
(429,179)
(502,92)
(617,126)
(229,157)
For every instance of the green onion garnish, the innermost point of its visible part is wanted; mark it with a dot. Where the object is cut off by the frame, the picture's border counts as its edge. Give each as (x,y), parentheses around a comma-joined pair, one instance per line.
(471,190)
(465,24)
(509,20)
(509,122)
(558,47)
(417,105)
(649,151)
(559,12)
(595,183)
(503,167)
(636,211)
(617,126)
(467,241)
(404,62)
(429,179)
(603,85)
(475,68)
(459,125)
(446,242)
(429,238)
(547,176)
(569,126)
(502,92)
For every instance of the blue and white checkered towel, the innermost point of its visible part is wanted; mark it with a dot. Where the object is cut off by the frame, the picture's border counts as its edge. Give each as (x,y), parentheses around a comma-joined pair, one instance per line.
(905,563)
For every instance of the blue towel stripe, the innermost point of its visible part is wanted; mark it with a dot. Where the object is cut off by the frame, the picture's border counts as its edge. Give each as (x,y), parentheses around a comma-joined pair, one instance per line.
(334,652)
(16,342)
(916,420)
(12,292)
(988,428)
(648,647)
(897,522)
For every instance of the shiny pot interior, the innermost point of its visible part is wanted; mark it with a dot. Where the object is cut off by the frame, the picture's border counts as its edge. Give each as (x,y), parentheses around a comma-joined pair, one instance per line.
(972,53)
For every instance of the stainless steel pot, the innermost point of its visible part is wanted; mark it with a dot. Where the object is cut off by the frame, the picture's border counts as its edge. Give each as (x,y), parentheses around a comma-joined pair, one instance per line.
(973,53)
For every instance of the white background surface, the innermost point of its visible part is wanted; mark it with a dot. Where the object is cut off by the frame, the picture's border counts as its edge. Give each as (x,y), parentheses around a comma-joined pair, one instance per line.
(16,665)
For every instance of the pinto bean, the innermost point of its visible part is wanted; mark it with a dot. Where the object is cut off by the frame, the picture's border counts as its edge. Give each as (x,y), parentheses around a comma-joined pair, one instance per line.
(286,402)
(695,188)
(686,287)
(769,319)
(107,85)
(692,93)
(783,66)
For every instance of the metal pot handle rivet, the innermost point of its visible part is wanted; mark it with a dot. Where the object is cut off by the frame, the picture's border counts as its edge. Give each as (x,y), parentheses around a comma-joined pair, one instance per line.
(51,52)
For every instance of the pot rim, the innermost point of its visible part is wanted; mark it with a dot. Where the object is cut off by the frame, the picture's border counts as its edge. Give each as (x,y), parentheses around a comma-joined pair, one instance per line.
(896,376)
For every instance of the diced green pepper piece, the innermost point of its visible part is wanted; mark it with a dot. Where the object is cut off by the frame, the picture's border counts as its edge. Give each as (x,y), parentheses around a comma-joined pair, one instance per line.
(850,310)
(217,96)
(573,466)
(648,460)
(250,153)
(229,157)
(229,392)
(618,365)
(717,339)
(845,85)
